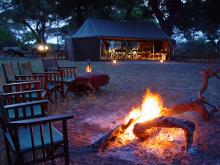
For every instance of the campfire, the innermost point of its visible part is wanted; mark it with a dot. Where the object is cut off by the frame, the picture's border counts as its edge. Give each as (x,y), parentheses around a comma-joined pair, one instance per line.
(151,108)
(152,119)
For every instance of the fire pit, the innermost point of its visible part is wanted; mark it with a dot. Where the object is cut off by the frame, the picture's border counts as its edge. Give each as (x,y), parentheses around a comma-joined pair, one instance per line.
(149,120)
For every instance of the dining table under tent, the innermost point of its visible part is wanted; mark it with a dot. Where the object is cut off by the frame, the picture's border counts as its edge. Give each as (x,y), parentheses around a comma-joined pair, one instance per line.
(99,39)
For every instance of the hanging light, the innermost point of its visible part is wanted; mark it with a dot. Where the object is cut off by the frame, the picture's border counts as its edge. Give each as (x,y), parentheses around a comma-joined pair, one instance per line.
(43,49)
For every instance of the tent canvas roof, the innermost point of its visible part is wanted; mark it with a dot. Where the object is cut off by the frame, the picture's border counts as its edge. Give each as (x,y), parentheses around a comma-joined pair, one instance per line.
(120,29)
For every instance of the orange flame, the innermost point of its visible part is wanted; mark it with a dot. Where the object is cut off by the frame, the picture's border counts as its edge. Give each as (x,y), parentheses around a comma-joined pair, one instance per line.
(88,69)
(150,108)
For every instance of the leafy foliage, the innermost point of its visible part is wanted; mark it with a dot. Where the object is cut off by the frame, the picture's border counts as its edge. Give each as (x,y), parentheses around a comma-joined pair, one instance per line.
(35,16)
(31,19)
(6,37)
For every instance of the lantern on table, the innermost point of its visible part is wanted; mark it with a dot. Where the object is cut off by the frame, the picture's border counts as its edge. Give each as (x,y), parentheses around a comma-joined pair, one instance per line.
(88,68)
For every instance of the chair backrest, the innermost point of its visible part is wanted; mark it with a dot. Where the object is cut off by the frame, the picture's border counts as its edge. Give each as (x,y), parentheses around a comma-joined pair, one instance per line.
(50,64)
(1,99)
(1,86)
(25,68)
(9,72)
(38,136)
(23,96)
(21,86)
(27,110)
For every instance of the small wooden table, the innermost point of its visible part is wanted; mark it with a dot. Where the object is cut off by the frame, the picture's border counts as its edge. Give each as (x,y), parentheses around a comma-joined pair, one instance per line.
(89,82)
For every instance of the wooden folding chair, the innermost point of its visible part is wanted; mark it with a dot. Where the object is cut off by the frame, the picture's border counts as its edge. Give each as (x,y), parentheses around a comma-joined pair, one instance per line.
(67,74)
(28,90)
(20,92)
(11,76)
(51,77)
(31,135)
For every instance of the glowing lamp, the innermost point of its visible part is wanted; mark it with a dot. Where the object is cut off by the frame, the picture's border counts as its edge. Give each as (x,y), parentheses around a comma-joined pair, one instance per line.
(114,61)
(46,47)
(88,67)
(161,61)
(41,48)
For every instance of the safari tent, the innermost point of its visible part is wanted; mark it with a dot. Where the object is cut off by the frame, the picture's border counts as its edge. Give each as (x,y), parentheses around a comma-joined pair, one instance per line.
(94,40)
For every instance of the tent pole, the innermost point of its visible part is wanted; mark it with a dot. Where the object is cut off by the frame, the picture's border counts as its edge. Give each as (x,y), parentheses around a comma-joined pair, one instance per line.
(100,48)
(153,50)
(101,41)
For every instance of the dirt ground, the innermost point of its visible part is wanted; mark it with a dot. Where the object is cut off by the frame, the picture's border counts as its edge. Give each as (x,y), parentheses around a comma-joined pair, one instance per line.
(97,114)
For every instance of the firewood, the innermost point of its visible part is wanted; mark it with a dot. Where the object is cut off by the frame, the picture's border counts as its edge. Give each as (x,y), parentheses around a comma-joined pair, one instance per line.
(197,106)
(105,141)
(206,74)
(140,129)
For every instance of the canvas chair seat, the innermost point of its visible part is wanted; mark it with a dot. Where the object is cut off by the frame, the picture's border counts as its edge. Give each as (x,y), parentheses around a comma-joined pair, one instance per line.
(34,95)
(25,138)
(50,86)
(66,79)
(36,111)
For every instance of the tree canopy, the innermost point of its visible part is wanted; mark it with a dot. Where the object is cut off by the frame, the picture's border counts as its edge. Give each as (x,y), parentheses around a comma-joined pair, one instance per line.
(37,20)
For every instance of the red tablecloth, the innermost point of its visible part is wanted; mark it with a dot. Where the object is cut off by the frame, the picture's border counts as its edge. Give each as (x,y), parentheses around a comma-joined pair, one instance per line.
(90,80)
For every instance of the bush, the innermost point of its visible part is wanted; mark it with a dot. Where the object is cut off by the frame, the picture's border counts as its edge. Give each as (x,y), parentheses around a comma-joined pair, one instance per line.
(197,49)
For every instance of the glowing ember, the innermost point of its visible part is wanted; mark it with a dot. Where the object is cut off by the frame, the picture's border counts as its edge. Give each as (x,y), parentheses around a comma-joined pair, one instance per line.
(150,108)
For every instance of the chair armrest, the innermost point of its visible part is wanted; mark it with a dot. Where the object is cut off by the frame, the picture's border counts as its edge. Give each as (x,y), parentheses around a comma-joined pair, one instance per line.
(48,74)
(21,86)
(63,67)
(32,103)
(22,96)
(29,76)
(22,92)
(38,73)
(51,76)
(18,82)
(54,70)
(41,120)
(68,71)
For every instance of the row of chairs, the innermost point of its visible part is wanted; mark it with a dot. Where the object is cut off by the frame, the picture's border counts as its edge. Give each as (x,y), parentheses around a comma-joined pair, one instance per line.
(29,132)
(54,78)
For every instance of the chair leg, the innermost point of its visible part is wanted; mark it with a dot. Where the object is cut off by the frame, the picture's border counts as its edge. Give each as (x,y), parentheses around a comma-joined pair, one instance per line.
(19,160)
(62,89)
(55,93)
(66,149)
(8,153)
(53,162)
(66,155)
(67,90)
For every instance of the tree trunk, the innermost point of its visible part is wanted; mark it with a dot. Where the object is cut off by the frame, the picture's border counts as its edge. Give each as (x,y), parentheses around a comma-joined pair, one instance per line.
(164,24)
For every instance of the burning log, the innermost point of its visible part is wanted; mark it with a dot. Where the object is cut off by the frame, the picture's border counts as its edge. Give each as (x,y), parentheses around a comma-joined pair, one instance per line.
(140,129)
(197,106)
(105,141)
